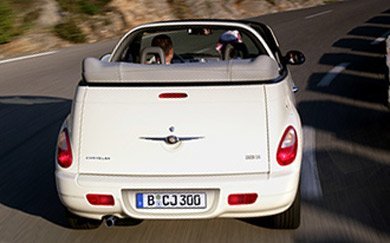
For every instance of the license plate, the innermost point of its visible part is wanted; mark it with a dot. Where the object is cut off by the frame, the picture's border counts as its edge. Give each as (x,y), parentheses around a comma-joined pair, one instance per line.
(171,200)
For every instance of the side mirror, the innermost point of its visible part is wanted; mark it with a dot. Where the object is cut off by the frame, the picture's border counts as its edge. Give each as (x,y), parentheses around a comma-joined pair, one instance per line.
(294,58)
(105,57)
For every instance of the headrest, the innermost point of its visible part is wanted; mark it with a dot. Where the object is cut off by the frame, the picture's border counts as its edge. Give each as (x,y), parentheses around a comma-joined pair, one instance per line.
(155,52)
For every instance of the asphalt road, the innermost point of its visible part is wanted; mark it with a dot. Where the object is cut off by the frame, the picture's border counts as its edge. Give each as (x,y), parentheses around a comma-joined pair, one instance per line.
(342,101)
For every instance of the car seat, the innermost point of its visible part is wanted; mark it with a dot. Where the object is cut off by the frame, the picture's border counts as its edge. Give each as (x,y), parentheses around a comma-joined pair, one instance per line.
(235,51)
(152,55)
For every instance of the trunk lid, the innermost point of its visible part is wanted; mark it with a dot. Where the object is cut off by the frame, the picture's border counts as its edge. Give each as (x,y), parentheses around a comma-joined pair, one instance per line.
(214,130)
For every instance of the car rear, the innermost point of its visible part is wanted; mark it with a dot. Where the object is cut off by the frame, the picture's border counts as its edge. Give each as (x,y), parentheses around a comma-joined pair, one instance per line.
(227,160)
(185,141)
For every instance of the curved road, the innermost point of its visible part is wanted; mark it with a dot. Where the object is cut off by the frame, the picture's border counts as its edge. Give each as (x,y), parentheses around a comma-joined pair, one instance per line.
(346,168)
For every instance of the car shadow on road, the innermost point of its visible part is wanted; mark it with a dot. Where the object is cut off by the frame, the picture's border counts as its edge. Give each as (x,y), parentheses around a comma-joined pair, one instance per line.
(28,134)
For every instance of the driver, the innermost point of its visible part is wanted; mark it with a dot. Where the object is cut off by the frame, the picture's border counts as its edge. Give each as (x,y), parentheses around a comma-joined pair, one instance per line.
(166,45)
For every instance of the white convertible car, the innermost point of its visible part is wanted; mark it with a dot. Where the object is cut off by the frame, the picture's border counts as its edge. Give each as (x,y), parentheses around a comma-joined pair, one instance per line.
(184,120)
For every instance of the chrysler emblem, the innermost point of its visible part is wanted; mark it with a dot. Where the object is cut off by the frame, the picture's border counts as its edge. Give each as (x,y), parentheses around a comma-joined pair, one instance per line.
(171,139)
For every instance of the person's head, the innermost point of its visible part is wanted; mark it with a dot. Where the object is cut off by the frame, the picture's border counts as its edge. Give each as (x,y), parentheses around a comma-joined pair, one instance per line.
(229,43)
(166,45)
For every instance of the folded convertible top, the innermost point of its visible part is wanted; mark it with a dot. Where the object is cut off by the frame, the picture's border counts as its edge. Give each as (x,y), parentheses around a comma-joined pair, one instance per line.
(261,68)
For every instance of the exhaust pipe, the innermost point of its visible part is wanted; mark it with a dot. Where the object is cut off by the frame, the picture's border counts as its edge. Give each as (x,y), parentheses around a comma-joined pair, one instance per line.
(111,221)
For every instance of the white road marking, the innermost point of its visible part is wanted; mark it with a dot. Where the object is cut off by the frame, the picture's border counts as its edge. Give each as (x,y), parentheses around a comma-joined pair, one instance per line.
(318,14)
(310,181)
(332,74)
(19,100)
(380,39)
(27,57)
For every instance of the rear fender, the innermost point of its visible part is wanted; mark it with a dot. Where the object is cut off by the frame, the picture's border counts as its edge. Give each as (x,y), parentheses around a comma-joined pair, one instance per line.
(281,114)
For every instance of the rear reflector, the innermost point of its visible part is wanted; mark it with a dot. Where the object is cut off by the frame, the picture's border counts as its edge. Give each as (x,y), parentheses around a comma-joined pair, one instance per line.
(173,96)
(100,199)
(239,199)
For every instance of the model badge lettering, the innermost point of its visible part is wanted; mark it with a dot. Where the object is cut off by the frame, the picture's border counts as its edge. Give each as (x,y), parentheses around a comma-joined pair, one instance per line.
(101,158)
(252,157)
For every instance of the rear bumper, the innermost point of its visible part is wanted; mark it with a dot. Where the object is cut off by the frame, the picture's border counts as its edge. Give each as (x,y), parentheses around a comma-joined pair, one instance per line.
(275,194)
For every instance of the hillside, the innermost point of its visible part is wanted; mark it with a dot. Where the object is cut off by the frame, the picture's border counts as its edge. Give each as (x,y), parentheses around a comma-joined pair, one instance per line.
(41,25)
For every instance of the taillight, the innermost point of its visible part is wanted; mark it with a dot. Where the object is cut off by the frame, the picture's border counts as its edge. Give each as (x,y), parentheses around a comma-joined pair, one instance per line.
(64,151)
(100,199)
(288,146)
(242,198)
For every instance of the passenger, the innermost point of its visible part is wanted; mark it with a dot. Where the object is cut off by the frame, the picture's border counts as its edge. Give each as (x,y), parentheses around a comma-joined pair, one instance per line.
(166,45)
(230,45)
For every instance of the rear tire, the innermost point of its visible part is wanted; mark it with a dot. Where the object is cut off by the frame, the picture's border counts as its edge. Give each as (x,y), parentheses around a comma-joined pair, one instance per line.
(77,222)
(289,219)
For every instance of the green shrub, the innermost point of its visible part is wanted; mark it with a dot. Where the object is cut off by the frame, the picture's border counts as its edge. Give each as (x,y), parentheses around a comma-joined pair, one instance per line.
(6,22)
(90,7)
(93,7)
(69,5)
(69,31)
